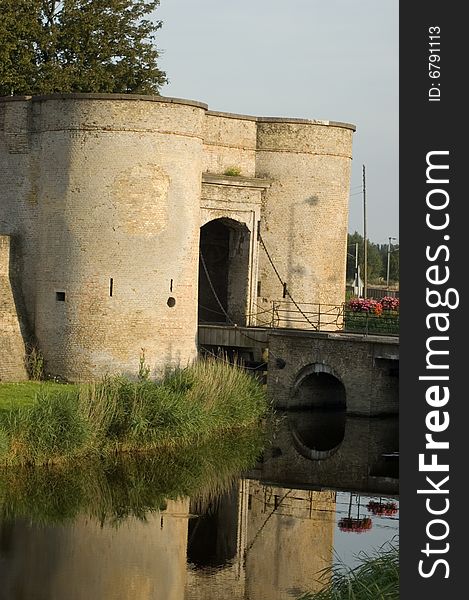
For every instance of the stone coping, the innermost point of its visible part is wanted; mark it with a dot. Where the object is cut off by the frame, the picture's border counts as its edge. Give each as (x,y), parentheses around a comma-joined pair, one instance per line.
(299,121)
(235,180)
(229,115)
(339,334)
(307,122)
(170,100)
(80,96)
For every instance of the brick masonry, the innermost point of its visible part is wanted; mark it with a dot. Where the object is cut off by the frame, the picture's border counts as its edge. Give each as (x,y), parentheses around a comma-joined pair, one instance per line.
(104,192)
(367,368)
(350,466)
(12,349)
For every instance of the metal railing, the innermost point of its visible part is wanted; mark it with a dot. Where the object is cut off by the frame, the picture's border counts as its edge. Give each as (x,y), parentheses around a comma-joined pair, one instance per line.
(324,317)
(376,292)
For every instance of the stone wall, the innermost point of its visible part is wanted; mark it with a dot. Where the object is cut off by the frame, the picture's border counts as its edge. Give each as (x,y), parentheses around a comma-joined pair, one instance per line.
(305,213)
(368,369)
(118,186)
(12,348)
(229,142)
(19,210)
(102,195)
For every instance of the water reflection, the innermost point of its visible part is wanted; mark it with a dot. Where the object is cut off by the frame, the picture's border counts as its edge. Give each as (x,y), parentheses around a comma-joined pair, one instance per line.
(284,537)
(364,460)
(317,434)
(128,485)
(185,526)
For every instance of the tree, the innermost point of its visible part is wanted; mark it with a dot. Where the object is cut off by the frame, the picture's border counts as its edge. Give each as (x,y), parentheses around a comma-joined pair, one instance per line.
(51,46)
(375,260)
(393,261)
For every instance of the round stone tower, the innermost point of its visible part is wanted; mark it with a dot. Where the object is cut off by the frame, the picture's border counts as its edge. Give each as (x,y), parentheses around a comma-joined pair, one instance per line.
(119,191)
(104,202)
(305,214)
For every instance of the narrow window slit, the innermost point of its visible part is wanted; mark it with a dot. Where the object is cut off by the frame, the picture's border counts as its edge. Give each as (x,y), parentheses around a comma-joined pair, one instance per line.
(171,286)
(111,286)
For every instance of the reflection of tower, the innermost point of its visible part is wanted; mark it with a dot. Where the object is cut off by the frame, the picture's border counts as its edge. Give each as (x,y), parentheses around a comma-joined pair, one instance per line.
(284,537)
(290,539)
(215,551)
(84,561)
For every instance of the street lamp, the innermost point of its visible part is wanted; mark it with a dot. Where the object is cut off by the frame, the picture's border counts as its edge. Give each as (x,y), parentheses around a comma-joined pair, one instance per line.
(389,256)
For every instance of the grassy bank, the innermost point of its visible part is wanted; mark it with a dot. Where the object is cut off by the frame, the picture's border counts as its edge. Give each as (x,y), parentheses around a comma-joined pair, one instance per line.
(16,395)
(376,578)
(187,406)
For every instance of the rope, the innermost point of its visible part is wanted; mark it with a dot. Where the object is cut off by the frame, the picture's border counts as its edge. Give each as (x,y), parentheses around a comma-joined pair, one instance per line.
(248,548)
(213,289)
(284,284)
(229,319)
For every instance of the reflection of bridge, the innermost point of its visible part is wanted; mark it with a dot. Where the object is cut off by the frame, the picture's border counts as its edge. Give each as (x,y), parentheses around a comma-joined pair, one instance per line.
(356,463)
(305,367)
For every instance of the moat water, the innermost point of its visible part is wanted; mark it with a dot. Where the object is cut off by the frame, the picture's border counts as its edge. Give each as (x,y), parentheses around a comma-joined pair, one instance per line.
(223,522)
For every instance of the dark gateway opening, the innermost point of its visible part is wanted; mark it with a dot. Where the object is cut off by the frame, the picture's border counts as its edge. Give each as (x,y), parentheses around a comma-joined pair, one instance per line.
(223,272)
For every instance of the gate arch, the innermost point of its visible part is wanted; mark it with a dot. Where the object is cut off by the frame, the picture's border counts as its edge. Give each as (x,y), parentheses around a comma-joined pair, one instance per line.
(318,386)
(224,270)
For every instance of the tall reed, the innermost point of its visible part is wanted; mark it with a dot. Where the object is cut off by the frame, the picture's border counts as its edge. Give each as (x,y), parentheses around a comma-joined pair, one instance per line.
(376,578)
(184,407)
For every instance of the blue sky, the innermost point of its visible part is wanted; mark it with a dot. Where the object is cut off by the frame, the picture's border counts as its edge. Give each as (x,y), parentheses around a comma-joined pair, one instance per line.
(335,60)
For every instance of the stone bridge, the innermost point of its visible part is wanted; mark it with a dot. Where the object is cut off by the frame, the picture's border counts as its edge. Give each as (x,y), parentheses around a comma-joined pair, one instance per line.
(309,369)
(333,370)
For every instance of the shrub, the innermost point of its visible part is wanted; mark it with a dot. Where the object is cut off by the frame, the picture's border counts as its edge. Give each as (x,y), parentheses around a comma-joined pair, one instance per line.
(232,171)
(372,316)
(34,361)
(365,305)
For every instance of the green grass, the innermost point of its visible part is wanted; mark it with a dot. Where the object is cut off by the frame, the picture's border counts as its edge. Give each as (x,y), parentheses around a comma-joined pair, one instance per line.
(16,395)
(116,414)
(376,578)
(232,171)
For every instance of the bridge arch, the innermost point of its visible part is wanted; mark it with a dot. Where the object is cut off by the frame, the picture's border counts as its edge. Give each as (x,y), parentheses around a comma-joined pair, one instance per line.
(317,434)
(317,386)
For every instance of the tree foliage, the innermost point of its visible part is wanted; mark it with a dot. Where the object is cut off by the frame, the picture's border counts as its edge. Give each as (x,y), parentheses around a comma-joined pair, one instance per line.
(377,260)
(49,46)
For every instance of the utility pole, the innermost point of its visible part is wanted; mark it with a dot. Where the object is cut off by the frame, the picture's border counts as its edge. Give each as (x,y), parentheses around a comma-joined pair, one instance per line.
(389,261)
(365,241)
(358,289)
